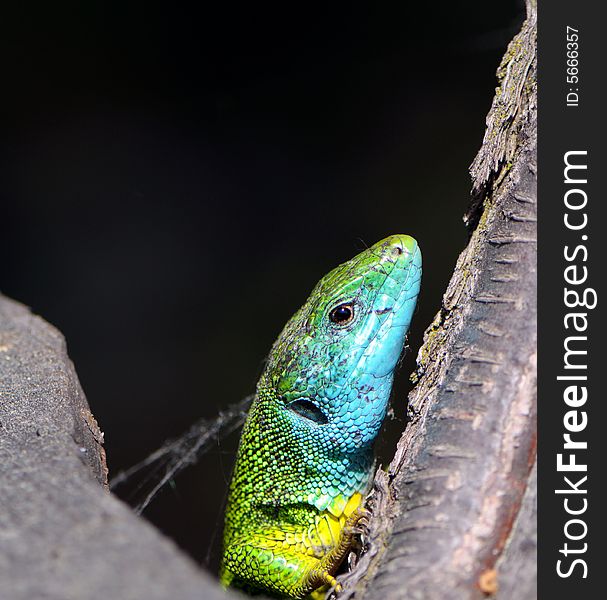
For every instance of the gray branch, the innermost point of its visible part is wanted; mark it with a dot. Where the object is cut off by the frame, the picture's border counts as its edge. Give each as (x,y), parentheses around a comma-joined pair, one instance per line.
(63,536)
(454,513)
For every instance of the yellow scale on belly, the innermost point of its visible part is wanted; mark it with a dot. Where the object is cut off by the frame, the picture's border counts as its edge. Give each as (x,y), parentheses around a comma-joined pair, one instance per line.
(330,522)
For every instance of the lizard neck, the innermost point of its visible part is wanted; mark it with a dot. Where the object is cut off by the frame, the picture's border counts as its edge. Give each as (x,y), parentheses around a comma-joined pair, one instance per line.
(285,465)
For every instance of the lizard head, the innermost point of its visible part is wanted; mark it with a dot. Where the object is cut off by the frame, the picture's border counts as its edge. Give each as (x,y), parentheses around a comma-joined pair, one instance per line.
(333,364)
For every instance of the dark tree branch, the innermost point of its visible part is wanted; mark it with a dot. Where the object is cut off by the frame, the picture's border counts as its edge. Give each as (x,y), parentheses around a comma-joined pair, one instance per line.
(449,519)
(62,535)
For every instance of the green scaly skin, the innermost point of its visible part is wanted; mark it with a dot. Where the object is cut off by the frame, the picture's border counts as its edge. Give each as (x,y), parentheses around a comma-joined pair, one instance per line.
(306,452)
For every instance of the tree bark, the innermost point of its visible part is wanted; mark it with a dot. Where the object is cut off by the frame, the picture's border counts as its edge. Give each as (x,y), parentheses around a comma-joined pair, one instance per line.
(453,514)
(63,536)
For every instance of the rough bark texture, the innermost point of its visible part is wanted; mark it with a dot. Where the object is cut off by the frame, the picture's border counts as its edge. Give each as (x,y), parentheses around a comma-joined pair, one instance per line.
(62,535)
(454,514)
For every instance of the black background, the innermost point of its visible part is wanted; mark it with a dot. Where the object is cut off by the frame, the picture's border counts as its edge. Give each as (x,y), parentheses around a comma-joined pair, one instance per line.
(174,181)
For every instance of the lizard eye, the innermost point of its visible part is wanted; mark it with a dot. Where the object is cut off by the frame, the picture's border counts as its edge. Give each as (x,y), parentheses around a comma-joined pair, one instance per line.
(308,410)
(342,314)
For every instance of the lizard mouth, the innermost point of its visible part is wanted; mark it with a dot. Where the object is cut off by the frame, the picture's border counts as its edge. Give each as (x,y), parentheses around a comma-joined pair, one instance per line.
(387,345)
(392,308)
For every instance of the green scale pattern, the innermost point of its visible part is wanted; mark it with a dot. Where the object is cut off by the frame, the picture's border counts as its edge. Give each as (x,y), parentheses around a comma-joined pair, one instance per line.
(306,451)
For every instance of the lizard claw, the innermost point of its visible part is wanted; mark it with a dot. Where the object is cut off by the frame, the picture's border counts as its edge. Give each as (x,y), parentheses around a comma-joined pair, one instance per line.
(358,521)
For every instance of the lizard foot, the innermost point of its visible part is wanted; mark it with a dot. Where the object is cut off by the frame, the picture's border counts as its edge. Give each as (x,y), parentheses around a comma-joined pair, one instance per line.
(323,574)
(321,577)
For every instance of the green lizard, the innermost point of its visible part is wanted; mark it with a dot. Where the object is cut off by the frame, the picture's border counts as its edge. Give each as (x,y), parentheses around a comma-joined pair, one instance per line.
(306,452)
